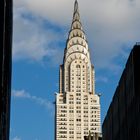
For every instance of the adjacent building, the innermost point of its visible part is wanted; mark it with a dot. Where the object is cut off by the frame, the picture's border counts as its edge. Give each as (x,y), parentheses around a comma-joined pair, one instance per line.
(5,66)
(77,105)
(122,121)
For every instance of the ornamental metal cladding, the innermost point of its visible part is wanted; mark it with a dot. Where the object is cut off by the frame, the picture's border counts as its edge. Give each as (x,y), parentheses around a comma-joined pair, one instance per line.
(77,108)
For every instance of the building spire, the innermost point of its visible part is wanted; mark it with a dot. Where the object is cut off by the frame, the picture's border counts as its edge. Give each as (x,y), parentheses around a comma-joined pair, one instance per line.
(76,6)
(76,38)
(76,15)
(76,23)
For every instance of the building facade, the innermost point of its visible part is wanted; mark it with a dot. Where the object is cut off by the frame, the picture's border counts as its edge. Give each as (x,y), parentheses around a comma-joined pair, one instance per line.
(5,66)
(77,105)
(94,136)
(122,121)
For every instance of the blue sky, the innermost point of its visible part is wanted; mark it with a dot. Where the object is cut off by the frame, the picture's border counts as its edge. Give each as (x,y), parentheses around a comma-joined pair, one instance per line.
(40,31)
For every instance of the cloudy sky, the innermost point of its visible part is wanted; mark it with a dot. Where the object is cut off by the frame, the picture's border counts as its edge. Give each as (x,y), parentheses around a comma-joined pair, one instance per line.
(40,31)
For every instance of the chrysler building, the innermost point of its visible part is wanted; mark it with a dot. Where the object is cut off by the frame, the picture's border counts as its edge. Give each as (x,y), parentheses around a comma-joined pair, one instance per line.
(77,106)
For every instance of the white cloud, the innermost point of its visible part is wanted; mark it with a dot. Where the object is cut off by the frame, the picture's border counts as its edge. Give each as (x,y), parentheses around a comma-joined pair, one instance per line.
(32,40)
(16,138)
(25,95)
(102,79)
(20,94)
(110,26)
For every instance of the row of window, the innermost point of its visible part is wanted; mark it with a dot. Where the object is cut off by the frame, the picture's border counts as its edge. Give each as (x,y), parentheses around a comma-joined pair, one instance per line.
(62,107)
(85,99)
(62,119)
(78,78)
(79,111)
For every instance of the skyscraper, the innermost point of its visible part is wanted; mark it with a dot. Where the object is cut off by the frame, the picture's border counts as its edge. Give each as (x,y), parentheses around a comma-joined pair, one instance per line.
(122,121)
(5,66)
(77,105)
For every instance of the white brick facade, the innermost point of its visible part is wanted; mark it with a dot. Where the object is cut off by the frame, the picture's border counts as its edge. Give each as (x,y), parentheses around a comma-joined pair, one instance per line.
(77,105)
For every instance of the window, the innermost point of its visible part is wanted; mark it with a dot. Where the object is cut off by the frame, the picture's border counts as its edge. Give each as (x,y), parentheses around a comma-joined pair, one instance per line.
(70,111)
(71,132)
(78,120)
(78,111)
(71,102)
(77,66)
